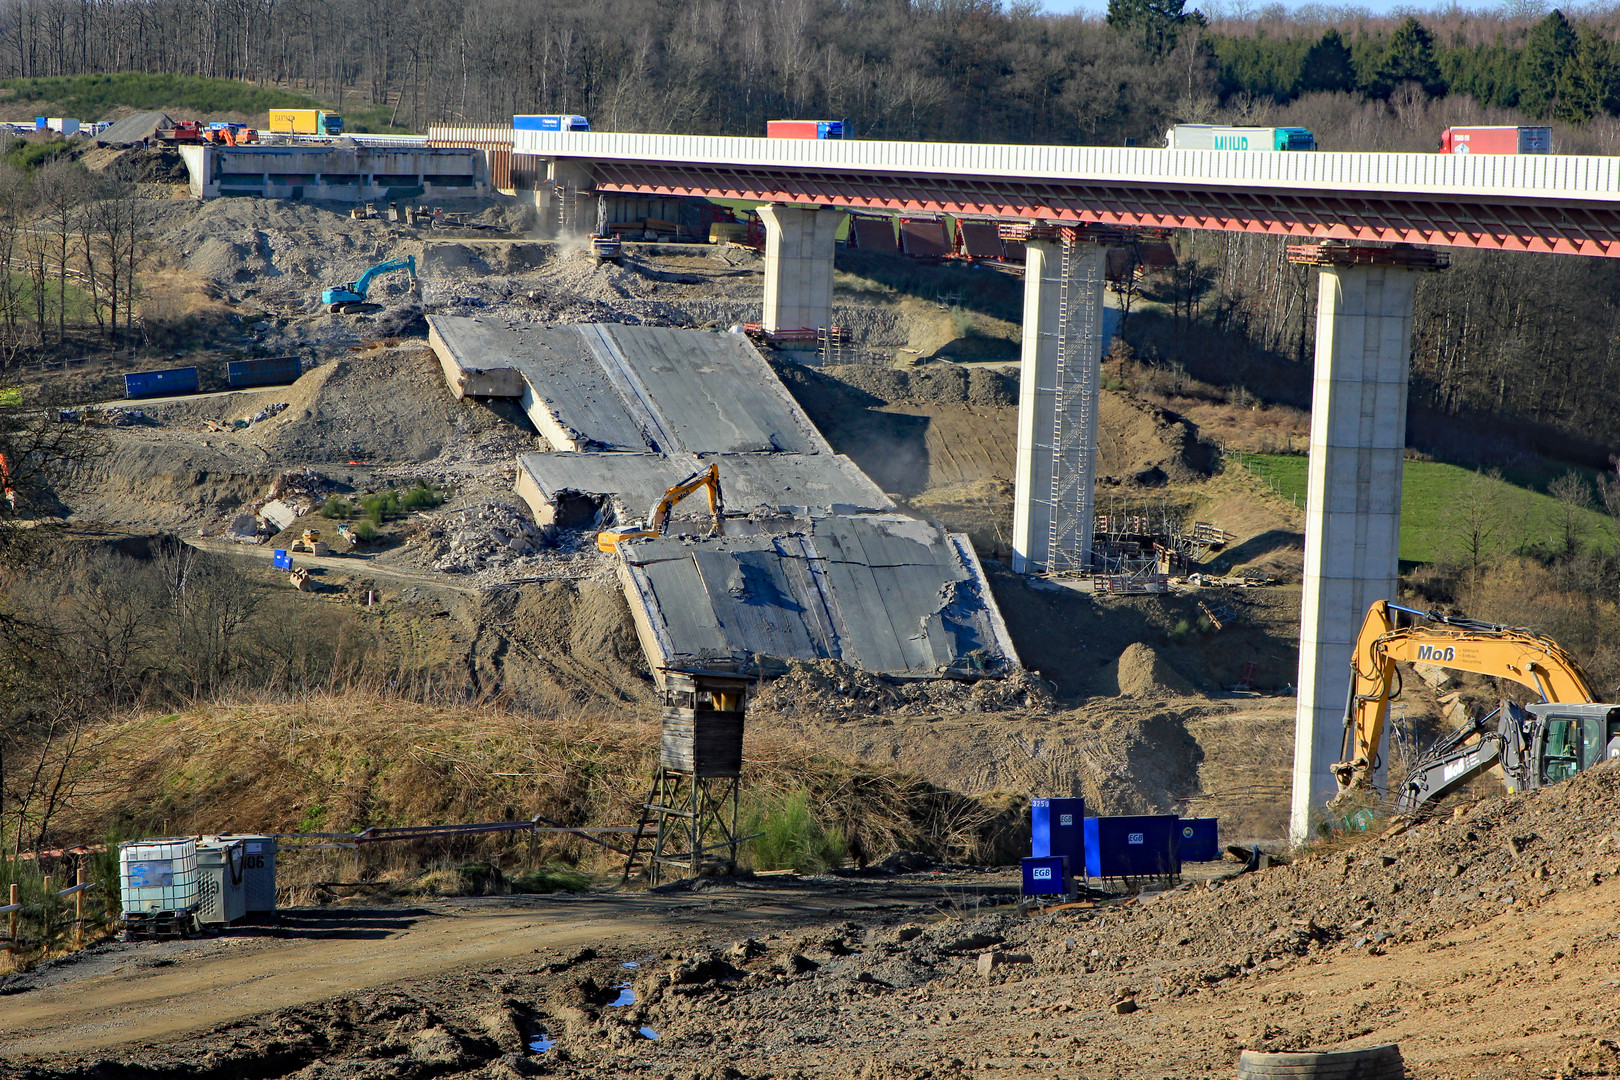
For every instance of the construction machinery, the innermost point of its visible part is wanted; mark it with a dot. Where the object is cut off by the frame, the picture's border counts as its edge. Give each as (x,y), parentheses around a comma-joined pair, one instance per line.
(184,131)
(351,297)
(605,247)
(311,542)
(657,520)
(1566,732)
(226,133)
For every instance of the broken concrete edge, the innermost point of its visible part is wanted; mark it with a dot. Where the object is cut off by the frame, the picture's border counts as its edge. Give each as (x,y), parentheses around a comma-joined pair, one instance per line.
(989,961)
(998,625)
(464,378)
(830,637)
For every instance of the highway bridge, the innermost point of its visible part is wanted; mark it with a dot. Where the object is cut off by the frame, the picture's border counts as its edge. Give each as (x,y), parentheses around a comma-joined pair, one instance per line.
(1353,205)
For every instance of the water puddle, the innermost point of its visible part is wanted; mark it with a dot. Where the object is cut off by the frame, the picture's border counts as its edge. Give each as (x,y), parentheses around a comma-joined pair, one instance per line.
(541,1043)
(648,1033)
(627,995)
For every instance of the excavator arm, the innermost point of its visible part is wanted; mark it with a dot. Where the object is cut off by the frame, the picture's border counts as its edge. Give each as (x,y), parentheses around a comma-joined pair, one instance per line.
(1391,633)
(657,522)
(362,284)
(707,480)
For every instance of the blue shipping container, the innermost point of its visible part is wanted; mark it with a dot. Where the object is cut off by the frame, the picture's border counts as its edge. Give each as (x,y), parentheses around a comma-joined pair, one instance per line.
(1137,846)
(141,384)
(1057,827)
(1047,875)
(267,372)
(829,129)
(1200,840)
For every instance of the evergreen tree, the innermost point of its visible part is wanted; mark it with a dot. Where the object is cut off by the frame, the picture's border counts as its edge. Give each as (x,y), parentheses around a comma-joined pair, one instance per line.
(1548,48)
(1154,24)
(1589,83)
(1409,58)
(1327,66)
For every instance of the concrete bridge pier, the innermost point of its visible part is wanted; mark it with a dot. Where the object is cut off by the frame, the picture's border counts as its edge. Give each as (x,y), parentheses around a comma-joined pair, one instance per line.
(799,247)
(1060,375)
(1353,501)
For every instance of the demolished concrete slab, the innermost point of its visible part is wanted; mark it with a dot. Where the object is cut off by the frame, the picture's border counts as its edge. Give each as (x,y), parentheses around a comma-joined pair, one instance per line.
(883,593)
(573,489)
(600,386)
(813,561)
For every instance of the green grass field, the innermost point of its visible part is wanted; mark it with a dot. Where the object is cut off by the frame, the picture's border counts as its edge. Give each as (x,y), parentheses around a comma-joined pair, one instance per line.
(1430,492)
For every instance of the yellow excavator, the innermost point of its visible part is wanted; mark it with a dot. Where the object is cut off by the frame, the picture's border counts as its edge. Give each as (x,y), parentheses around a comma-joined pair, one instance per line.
(657,520)
(1536,745)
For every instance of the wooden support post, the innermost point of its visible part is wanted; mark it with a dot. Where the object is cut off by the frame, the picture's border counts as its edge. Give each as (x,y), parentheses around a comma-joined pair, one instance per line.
(12,929)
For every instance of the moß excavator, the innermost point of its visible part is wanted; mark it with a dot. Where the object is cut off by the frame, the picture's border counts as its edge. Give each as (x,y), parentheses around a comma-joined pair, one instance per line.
(657,520)
(1536,745)
(351,297)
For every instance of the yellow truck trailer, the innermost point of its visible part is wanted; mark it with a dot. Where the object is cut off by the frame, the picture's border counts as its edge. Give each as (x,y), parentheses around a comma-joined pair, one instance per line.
(304,122)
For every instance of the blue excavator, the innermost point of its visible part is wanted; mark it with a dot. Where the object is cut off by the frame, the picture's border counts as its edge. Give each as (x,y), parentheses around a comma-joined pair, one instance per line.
(351,297)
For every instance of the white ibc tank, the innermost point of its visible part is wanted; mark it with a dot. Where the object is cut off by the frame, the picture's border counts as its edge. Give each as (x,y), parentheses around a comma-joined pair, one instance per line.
(158,875)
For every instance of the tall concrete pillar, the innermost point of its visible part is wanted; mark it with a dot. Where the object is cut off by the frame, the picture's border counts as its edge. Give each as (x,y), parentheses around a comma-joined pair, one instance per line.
(799,248)
(1353,502)
(567,201)
(1060,375)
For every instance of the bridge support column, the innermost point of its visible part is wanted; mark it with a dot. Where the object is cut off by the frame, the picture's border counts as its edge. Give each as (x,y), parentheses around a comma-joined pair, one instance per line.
(799,248)
(1054,496)
(1353,502)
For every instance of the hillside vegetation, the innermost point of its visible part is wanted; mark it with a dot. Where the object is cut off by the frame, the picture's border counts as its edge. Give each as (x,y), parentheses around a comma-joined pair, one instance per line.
(92,96)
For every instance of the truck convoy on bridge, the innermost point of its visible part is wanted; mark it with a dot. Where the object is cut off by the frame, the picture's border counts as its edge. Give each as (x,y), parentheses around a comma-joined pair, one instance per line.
(1567,732)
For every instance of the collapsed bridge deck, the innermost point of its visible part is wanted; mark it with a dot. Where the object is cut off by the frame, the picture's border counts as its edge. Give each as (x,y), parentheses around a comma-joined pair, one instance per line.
(815,563)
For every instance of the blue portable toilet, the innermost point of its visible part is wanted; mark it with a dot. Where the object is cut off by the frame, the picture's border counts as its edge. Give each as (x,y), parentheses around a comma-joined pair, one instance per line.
(1200,840)
(282,560)
(1133,846)
(1047,875)
(1057,827)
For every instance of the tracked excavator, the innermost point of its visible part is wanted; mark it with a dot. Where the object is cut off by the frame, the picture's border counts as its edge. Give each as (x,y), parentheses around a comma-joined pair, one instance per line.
(1536,745)
(351,297)
(657,520)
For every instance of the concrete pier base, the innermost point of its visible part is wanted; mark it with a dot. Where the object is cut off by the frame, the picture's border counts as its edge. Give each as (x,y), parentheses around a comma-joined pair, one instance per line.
(1353,508)
(799,248)
(1060,376)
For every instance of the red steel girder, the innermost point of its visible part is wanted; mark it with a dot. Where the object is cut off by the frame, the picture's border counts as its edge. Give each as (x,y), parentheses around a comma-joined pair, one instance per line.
(1506,225)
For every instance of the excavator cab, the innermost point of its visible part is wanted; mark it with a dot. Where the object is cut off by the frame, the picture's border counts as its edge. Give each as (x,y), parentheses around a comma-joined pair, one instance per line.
(1569,738)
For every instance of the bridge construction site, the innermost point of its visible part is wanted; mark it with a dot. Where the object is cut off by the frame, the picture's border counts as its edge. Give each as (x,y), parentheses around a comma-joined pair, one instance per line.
(769,545)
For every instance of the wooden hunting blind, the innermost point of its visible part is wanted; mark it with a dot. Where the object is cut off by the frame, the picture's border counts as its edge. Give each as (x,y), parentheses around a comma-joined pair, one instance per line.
(693,801)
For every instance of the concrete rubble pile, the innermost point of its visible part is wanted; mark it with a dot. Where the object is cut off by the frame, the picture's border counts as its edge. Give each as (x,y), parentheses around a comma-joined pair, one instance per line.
(481,537)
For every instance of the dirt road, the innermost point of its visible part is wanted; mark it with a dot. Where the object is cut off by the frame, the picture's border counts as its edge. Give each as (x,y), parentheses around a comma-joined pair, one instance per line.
(155,992)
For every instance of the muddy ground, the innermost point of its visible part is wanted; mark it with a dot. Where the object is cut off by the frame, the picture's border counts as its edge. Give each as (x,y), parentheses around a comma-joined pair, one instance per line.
(1481,942)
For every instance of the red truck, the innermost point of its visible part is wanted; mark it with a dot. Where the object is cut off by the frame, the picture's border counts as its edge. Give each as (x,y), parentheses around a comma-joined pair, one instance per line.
(184,131)
(804,129)
(1496,140)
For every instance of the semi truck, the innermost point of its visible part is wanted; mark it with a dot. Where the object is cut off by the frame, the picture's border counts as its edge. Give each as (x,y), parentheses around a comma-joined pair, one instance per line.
(1217,137)
(304,122)
(1496,140)
(549,122)
(804,129)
